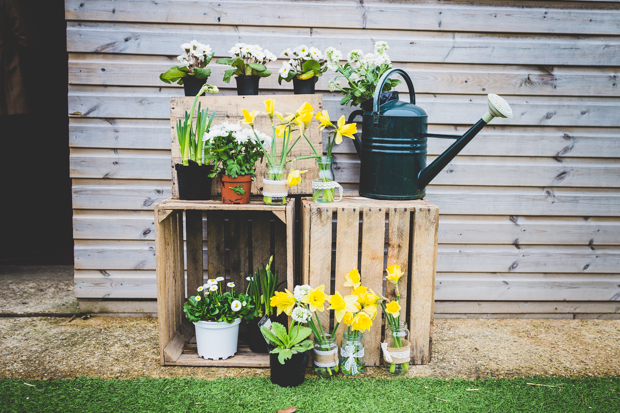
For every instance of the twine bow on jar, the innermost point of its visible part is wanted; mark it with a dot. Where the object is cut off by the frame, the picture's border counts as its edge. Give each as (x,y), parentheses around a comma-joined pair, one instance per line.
(350,354)
(397,355)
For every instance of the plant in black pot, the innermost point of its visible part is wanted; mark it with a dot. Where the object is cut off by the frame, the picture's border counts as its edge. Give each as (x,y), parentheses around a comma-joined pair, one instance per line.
(261,287)
(304,68)
(193,174)
(192,72)
(248,65)
(362,73)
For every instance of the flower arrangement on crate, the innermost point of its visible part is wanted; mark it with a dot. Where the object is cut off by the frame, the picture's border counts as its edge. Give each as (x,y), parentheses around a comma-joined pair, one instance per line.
(248,62)
(216,312)
(362,73)
(234,151)
(304,68)
(262,287)
(193,174)
(396,348)
(192,72)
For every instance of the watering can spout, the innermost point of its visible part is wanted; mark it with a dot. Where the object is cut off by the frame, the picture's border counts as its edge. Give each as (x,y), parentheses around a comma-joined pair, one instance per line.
(498,108)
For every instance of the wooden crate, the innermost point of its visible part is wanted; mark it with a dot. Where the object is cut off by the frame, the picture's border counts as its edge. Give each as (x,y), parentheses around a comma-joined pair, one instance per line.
(178,276)
(364,228)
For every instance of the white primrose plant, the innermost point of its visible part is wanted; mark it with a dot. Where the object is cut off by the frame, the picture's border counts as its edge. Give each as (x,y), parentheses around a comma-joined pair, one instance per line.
(247,60)
(192,62)
(304,63)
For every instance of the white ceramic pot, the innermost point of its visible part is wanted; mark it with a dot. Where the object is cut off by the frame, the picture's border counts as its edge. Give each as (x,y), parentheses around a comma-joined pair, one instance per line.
(217,339)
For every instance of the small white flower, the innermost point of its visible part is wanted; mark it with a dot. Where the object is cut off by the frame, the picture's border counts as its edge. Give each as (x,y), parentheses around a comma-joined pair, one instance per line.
(381,47)
(186,46)
(285,69)
(248,278)
(219,279)
(231,285)
(301,291)
(369,59)
(300,314)
(235,305)
(287,53)
(201,288)
(302,50)
(354,77)
(315,53)
(244,303)
(211,281)
(333,85)
(213,288)
(198,298)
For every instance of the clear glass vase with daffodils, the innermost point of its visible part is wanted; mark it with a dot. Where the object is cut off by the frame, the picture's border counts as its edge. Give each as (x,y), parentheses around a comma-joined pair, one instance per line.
(396,350)
(214,302)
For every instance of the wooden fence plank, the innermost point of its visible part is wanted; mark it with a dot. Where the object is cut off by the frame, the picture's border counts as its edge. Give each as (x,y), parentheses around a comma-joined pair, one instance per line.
(371,269)
(215,244)
(194,228)
(485,307)
(162,288)
(321,253)
(239,248)
(399,226)
(261,238)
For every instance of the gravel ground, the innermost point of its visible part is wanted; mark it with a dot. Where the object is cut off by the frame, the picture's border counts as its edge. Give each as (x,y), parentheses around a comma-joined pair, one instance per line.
(53,348)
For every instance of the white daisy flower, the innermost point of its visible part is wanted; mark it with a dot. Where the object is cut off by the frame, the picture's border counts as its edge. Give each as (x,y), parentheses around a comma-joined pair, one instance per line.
(235,305)
(231,285)
(201,288)
(302,50)
(301,291)
(198,298)
(315,53)
(211,281)
(244,303)
(213,288)
(219,279)
(300,314)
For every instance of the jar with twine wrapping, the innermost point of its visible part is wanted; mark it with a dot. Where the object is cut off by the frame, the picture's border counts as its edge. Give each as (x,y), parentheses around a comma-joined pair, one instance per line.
(326,356)
(275,184)
(396,349)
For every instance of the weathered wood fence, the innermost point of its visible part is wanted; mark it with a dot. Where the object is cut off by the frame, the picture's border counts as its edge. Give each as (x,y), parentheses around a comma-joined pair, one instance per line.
(529,212)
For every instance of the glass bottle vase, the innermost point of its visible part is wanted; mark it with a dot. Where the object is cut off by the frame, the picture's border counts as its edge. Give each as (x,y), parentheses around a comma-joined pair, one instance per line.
(352,353)
(275,184)
(396,349)
(324,184)
(326,357)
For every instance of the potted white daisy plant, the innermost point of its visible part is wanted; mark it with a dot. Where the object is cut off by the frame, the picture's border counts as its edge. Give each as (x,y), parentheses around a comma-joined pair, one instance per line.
(216,311)
(304,67)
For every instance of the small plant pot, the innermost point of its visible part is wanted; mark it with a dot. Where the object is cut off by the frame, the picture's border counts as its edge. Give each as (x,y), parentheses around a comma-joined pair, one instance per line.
(304,86)
(247,85)
(194,181)
(290,374)
(192,86)
(385,97)
(229,196)
(257,342)
(217,339)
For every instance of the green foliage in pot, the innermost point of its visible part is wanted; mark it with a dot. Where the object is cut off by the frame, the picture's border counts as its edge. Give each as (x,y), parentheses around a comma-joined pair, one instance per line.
(190,145)
(261,287)
(287,344)
(247,60)
(193,62)
(214,303)
(304,63)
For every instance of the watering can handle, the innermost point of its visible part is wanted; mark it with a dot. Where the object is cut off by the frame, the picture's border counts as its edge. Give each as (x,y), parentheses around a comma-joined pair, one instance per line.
(382,80)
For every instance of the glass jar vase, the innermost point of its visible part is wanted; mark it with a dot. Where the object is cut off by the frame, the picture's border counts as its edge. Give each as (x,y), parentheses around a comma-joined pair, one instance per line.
(324,185)
(275,184)
(396,349)
(352,353)
(326,357)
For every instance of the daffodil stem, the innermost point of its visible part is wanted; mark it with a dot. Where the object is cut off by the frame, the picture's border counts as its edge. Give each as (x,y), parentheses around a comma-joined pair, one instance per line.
(335,328)
(320,326)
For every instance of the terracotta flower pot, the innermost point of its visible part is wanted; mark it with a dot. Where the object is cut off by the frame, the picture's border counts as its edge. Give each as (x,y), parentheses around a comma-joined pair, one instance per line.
(229,196)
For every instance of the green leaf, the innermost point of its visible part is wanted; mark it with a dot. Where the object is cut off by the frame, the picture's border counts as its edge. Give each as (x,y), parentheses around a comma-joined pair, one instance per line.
(258,67)
(265,73)
(345,100)
(285,354)
(201,73)
(224,61)
(280,332)
(311,65)
(173,74)
(300,334)
(228,74)
(238,189)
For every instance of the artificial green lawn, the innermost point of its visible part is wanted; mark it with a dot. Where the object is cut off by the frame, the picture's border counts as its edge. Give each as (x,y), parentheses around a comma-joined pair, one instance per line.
(315,395)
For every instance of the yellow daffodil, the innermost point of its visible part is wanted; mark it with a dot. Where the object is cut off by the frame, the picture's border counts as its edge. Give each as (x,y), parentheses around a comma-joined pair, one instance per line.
(269,107)
(371,310)
(294,178)
(316,298)
(371,298)
(303,120)
(323,117)
(249,117)
(360,292)
(394,273)
(393,308)
(345,130)
(284,301)
(341,305)
(361,322)
(306,107)
(352,279)
(348,318)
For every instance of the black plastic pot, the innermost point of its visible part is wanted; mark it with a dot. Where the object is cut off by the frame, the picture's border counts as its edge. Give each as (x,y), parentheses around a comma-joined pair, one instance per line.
(304,86)
(255,337)
(247,85)
(290,374)
(194,181)
(385,97)
(192,86)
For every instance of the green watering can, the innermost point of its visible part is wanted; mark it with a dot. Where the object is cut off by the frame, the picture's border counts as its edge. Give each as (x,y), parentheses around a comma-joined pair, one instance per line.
(392,148)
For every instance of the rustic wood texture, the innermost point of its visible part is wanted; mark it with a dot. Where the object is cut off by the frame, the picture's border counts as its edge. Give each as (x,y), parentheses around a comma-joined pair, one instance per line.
(194,225)
(239,248)
(261,239)
(532,201)
(216,244)
(320,263)
(229,109)
(399,220)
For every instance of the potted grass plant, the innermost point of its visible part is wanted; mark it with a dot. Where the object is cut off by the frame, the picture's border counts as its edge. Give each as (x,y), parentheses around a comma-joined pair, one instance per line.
(362,73)
(192,71)
(216,311)
(248,66)
(261,287)
(233,152)
(193,173)
(304,68)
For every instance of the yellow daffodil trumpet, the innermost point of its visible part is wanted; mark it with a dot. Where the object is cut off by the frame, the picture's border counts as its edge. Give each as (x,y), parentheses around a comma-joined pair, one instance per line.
(294,178)
(352,279)
(316,299)
(248,117)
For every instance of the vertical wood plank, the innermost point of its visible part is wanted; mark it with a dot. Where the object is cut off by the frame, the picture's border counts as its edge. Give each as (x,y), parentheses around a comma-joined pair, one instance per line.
(215,244)
(280,251)
(162,282)
(423,266)
(321,253)
(290,244)
(239,253)
(180,271)
(399,220)
(305,241)
(373,236)
(171,270)
(193,230)
(347,244)
(261,238)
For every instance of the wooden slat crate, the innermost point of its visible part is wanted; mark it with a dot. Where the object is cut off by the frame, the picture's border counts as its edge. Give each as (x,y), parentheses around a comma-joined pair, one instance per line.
(177,276)
(409,228)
